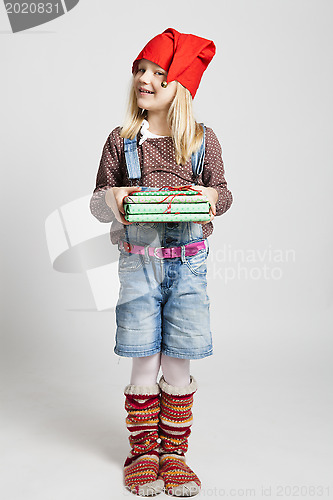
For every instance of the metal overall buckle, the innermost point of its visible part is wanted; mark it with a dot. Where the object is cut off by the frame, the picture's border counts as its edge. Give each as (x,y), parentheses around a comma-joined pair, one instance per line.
(127,246)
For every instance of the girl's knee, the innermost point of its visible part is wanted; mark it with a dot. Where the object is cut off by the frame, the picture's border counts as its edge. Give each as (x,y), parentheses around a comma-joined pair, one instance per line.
(176,371)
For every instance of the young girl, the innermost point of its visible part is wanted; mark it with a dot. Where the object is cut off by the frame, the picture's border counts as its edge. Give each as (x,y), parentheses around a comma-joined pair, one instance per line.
(162,314)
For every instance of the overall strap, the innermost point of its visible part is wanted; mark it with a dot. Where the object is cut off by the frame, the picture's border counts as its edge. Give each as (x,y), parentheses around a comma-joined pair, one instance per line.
(198,157)
(132,159)
(133,164)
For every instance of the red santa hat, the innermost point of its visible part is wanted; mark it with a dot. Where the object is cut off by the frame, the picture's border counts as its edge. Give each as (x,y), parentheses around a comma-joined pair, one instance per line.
(184,56)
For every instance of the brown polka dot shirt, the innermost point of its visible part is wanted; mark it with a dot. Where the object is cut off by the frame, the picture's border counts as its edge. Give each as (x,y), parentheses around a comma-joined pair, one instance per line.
(158,169)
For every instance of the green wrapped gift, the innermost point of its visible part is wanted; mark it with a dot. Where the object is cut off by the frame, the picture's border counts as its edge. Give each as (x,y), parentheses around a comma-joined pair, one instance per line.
(167,217)
(178,205)
(164,198)
(161,208)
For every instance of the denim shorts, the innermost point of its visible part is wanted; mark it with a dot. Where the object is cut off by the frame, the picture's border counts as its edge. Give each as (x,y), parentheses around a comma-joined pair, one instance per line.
(163,304)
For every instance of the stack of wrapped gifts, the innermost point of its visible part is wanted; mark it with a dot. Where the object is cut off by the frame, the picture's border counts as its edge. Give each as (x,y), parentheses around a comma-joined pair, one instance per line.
(166,205)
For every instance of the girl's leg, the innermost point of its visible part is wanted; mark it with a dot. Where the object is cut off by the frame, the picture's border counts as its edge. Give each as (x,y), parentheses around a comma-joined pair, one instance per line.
(145,370)
(176,371)
(142,403)
(175,420)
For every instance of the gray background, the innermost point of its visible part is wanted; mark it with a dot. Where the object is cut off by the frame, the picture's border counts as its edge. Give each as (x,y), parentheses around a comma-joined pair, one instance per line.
(263,409)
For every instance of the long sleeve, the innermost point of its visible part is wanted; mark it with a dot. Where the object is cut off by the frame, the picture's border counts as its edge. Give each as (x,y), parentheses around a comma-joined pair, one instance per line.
(109,175)
(213,172)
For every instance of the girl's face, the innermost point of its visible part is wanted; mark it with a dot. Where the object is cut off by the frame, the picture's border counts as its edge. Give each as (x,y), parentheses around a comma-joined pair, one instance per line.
(147,85)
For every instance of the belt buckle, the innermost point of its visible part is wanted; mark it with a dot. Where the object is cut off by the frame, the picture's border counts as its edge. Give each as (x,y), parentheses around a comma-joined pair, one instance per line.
(170,252)
(155,254)
(127,246)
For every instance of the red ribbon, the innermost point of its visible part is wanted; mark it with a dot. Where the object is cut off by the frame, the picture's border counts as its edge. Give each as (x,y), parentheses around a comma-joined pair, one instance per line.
(175,188)
(179,188)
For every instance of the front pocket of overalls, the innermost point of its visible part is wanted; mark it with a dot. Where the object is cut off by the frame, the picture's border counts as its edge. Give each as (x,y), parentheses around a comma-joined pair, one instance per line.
(129,262)
(197,263)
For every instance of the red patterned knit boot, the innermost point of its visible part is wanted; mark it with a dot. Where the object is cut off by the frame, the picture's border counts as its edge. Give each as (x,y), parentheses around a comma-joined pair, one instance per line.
(141,474)
(175,428)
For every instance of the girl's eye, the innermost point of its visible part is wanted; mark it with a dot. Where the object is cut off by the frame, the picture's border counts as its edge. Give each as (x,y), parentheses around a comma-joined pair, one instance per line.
(142,70)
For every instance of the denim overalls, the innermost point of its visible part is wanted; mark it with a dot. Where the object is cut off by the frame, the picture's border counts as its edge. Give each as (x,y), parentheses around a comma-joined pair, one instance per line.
(163,304)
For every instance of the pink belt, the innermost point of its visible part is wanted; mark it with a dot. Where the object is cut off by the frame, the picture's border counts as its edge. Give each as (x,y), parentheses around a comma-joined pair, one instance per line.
(163,252)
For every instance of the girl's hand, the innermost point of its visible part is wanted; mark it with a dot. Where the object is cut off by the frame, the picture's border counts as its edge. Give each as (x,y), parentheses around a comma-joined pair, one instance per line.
(212,196)
(114,198)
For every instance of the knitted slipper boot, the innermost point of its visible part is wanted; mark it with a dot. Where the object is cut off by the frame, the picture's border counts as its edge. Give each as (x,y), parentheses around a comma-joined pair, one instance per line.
(175,428)
(141,467)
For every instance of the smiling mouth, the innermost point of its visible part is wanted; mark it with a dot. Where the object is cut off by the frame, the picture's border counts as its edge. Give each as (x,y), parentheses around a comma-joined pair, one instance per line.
(145,91)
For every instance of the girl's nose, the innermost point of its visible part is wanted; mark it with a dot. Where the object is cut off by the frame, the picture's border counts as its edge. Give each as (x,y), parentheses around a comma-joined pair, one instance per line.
(145,77)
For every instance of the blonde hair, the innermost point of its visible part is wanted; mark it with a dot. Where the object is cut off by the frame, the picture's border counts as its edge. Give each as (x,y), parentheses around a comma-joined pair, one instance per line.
(186,133)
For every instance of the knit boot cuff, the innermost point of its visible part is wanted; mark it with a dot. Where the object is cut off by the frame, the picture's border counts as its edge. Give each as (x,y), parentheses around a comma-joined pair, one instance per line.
(178,391)
(145,390)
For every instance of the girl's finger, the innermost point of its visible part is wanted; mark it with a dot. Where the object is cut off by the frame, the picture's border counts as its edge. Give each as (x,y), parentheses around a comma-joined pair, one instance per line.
(134,188)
